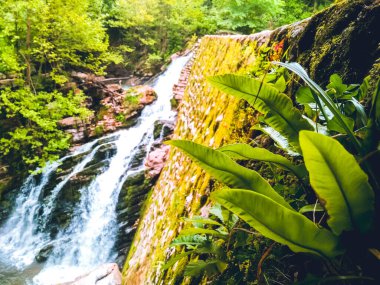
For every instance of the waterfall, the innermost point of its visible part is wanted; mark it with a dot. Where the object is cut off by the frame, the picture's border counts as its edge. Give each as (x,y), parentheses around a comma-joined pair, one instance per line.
(89,238)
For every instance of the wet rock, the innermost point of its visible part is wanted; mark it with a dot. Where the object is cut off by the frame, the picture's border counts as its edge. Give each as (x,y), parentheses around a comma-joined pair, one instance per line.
(163,129)
(138,158)
(106,274)
(156,160)
(44,253)
(131,200)
(146,94)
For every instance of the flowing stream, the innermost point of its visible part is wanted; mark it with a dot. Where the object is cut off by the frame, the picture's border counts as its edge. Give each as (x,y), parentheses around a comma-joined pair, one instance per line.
(89,239)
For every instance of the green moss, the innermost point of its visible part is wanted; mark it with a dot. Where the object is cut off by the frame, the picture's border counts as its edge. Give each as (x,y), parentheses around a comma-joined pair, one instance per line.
(212,118)
(179,190)
(4,185)
(99,130)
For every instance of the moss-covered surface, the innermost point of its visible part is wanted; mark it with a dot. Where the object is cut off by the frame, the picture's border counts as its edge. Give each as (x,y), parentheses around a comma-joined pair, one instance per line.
(205,117)
(342,39)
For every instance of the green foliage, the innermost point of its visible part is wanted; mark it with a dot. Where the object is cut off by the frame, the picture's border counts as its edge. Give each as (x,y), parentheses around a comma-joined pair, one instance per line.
(246,152)
(246,16)
(339,182)
(281,224)
(275,106)
(34,137)
(324,101)
(148,32)
(343,192)
(52,37)
(207,237)
(227,171)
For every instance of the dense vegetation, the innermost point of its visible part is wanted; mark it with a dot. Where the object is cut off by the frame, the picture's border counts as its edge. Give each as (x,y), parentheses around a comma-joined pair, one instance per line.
(315,197)
(42,42)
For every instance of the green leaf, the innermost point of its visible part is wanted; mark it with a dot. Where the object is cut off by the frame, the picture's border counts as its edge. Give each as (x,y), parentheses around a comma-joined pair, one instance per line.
(304,95)
(246,152)
(224,169)
(228,219)
(311,208)
(277,107)
(361,114)
(191,240)
(280,84)
(279,223)
(339,182)
(322,95)
(334,125)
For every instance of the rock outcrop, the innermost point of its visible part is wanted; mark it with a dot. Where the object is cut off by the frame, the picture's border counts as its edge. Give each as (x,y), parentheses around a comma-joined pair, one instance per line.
(113,107)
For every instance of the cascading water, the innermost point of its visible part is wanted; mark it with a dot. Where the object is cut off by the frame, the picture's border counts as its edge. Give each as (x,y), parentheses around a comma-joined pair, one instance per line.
(89,239)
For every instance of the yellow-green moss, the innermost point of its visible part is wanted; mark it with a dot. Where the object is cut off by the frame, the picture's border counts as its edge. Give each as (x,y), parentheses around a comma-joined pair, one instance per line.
(212,118)
(206,116)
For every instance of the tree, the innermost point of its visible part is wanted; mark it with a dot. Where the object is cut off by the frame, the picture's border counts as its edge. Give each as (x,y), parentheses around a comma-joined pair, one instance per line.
(53,37)
(246,16)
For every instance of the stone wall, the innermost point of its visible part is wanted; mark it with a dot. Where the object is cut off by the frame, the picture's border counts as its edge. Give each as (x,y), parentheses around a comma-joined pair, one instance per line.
(342,39)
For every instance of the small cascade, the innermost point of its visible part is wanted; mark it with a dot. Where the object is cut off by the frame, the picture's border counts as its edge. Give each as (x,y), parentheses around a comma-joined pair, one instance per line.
(87,239)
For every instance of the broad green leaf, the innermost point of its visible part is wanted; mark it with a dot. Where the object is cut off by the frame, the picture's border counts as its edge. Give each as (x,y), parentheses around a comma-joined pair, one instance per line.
(324,97)
(278,223)
(339,182)
(246,152)
(304,95)
(311,208)
(280,84)
(278,109)
(334,125)
(224,169)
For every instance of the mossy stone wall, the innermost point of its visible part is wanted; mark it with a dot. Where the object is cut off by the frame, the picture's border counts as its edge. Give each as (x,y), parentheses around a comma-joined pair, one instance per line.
(342,39)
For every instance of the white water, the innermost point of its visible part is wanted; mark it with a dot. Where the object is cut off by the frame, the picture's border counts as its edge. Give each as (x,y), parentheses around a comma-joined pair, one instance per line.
(89,239)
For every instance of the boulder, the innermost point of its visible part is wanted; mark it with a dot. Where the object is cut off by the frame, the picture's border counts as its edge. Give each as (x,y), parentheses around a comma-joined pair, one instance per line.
(164,128)
(146,94)
(44,253)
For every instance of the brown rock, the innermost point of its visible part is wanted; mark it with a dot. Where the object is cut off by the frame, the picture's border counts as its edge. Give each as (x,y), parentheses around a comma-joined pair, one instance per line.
(147,94)
(115,88)
(156,160)
(69,122)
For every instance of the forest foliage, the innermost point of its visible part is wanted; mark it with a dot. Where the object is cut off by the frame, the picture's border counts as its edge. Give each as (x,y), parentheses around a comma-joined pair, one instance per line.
(42,42)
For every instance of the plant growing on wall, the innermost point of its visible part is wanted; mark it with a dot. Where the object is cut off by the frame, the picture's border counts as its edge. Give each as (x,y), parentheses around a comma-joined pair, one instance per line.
(338,180)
